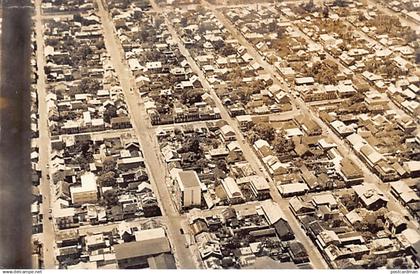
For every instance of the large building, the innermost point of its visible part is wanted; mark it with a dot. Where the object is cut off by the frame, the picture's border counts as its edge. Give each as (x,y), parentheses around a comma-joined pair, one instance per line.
(87,192)
(188,188)
(136,254)
(370,196)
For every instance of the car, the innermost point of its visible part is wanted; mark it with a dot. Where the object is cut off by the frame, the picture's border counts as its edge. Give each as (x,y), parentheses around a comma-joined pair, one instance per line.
(50,210)
(181,231)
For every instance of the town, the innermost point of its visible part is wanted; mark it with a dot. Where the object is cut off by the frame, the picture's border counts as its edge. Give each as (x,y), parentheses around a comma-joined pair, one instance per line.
(234,134)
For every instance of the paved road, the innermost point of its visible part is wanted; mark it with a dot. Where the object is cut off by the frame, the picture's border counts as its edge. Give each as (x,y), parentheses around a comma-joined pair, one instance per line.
(48,238)
(145,133)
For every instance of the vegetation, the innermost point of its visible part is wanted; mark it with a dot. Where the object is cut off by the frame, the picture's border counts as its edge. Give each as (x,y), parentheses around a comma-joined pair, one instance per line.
(106,179)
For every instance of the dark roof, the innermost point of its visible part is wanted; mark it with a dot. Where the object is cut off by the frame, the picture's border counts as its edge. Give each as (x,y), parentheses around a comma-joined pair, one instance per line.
(414,206)
(283,228)
(263,232)
(162,261)
(316,228)
(297,249)
(141,249)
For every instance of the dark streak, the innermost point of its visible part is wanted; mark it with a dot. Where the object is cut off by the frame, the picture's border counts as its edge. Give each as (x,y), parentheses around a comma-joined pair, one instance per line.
(15,182)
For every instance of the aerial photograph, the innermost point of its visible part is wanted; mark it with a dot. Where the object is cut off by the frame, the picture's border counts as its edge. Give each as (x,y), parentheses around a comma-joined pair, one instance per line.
(210,134)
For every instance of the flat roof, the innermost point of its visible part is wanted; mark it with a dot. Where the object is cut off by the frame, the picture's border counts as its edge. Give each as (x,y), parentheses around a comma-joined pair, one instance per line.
(188,179)
(148,234)
(88,183)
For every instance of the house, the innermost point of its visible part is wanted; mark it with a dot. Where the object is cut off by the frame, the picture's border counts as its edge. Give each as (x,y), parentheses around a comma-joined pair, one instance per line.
(370,155)
(275,217)
(246,256)
(341,129)
(297,252)
(395,222)
(244,120)
(304,81)
(149,234)
(309,178)
(410,241)
(300,208)
(325,199)
(334,253)
(259,187)
(228,134)
(120,122)
(198,225)
(130,163)
(189,189)
(283,230)
(412,168)
(262,147)
(326,238)
(350,172)
(136,254)
(353,217)
(95,241)
(292,189)
(162,261)
(309,126)
(370,196)
(234,194)
(404,194)
(87,192)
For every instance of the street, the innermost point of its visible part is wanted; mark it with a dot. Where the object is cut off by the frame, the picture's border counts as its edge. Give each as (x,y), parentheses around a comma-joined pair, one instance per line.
(147,138)
(48,235)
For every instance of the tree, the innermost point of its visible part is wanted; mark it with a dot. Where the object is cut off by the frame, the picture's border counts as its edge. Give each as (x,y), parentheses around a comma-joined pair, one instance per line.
(58,176)
(281,144)
(348,201)
(339,3)
(100,44)
(377,262)
(202,163)
(221,164)
(309,7)
(89,85)
(109,113)
(265,131)
(325,12)
(111,197)
(195,146)
(107,179)
(109,164)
